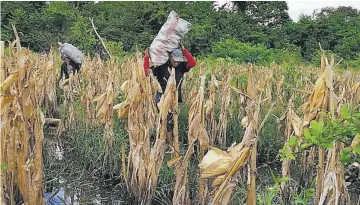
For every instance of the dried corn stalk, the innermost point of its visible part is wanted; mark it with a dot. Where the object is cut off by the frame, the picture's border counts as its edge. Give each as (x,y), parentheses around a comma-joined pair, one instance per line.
(326,104)
(50,90)
(333,190)
(87,98)
(22,130)
(279,89)
(95,79)
(293,126)
(169,102)
(198,132)
(132,108)
(3,72)
(222,125)
(323,98)
(269,78)
(210,109)
(252,112)
(350,89)
(45,76)
(2,109)
(67,85)
(317,102)
(144,164)
(105,115)
(222,169)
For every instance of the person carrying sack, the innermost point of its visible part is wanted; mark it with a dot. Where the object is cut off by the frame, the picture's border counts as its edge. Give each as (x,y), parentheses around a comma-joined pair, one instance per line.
(68,66)
(72,61)
(180,59)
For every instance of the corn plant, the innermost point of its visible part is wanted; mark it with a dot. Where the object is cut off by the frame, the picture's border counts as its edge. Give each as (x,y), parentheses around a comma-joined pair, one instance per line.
(293,129)
(223,118)
(144,161)
(22,129)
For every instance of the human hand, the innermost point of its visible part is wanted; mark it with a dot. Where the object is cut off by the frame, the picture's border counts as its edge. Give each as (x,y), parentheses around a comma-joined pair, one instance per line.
(149,72)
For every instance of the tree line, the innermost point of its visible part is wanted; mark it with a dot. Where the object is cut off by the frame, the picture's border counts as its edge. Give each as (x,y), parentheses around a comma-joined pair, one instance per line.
(216,30)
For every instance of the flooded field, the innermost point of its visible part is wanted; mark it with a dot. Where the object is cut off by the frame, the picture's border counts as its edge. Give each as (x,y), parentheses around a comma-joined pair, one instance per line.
(68,183)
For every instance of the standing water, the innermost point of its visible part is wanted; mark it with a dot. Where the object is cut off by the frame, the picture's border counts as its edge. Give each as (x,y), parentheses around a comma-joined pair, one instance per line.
(61,187)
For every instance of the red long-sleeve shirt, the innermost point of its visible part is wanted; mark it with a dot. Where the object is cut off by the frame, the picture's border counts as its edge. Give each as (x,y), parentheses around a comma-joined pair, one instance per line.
(191,62)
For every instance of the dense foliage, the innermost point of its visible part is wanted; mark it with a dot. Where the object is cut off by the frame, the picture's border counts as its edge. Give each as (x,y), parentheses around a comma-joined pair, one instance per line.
(126,26)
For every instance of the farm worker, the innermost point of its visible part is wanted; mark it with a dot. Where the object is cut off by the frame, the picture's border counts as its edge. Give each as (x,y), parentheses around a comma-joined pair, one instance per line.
(182,61)
(68,66)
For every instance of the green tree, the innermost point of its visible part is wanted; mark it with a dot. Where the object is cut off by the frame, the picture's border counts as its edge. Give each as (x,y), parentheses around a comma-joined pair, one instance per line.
(133,25)
(336,29)
(269,14)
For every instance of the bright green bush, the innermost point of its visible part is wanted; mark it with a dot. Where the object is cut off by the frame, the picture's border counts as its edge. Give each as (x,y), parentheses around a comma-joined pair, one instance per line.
(242,52)
(237,52)
(353,64)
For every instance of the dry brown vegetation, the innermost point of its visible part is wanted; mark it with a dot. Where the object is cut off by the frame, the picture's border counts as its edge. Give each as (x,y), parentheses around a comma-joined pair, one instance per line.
(29,100)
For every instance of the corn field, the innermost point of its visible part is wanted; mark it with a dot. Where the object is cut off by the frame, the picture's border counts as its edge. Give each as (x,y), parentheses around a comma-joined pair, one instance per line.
(107,92)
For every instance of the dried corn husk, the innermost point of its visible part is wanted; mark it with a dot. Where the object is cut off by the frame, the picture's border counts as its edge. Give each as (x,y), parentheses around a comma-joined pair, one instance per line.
(356,141)
(222,167)
(198,132)
(222,124)
(21,121)
(293,125)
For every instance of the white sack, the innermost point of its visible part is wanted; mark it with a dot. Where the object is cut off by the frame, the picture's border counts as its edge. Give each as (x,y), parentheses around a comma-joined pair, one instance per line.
(71,51)
(168,38)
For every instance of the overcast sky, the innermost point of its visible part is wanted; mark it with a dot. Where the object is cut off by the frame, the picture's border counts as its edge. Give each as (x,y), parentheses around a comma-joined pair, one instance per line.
(296,8)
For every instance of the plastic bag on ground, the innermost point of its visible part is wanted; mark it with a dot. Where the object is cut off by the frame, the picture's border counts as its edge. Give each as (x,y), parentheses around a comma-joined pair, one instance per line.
(168,38)
(71,51)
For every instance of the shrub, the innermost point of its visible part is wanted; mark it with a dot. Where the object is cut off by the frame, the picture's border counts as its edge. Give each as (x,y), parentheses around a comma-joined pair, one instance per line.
(242,52)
